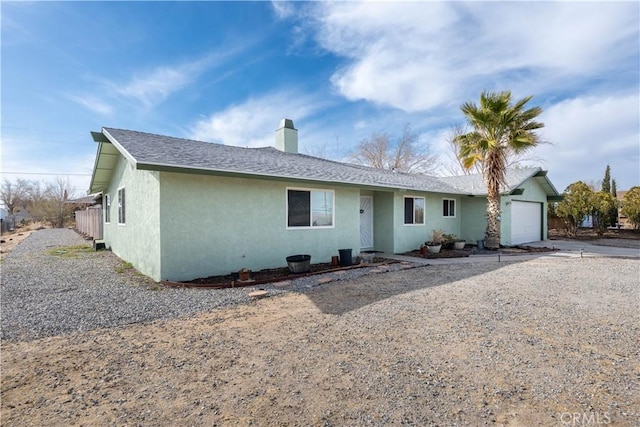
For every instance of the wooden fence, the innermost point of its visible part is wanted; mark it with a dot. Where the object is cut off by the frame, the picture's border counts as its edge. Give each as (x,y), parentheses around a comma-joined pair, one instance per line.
(89,222)
(554,222)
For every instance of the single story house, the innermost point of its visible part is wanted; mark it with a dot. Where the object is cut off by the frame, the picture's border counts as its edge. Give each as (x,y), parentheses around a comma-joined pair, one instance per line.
(179,209)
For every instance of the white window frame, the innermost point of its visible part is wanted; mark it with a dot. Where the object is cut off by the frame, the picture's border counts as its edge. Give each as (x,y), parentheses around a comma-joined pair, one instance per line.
(107,209)
(424,211)
(122,207)
(311,226)
(455,208)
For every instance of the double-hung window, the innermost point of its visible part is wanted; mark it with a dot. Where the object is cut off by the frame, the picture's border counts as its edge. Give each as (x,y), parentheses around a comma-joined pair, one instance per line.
(107,208)
(449,208)
(414,210)
(310,208)
(121,206)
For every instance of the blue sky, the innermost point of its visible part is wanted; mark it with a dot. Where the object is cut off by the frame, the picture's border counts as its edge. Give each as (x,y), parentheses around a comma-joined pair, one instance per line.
(229,71)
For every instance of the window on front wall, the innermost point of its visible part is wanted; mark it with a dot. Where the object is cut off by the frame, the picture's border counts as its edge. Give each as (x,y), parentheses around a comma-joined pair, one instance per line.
(121,206)
(449,207)
(414,210)
(107,208)
(310,208)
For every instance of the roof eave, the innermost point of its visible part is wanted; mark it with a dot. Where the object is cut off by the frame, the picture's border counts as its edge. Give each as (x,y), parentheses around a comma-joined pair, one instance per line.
(230,173)
(120,148)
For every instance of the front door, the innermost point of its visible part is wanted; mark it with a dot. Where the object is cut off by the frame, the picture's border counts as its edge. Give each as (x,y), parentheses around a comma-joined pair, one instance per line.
(366,221)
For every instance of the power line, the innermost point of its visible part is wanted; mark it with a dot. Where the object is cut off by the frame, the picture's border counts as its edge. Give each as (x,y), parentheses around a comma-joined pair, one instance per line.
(45,173)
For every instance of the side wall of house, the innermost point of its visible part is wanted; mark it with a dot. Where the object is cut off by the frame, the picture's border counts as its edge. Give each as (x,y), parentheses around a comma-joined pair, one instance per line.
(409,237)
(137,240)
(216,225)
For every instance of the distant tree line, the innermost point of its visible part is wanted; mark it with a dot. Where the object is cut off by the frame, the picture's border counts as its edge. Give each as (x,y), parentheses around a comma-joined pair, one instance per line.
(581,201)
(44,201)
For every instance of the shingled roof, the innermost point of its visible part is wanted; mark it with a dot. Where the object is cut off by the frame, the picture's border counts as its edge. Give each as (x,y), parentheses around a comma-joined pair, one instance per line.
(164,153)
(476,186)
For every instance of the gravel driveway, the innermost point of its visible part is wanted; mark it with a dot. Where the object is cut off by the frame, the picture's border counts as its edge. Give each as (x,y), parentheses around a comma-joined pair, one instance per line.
(45,295)
(548,341)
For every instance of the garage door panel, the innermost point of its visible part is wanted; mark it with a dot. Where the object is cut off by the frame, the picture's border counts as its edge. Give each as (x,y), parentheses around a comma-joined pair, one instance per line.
(526,222)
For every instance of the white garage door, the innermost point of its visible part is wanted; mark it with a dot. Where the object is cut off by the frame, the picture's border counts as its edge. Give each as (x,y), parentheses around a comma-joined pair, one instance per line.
(526,222)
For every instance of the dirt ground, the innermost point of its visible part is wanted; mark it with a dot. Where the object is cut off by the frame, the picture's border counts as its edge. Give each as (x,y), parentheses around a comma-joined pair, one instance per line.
(8,241)
(588,234)
(533,343)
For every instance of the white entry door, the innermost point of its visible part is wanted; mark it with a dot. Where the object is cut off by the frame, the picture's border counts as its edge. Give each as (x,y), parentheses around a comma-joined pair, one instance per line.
(366,221)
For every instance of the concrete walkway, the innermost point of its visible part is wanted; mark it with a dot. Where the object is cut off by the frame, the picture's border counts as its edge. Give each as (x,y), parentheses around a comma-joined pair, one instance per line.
(565,248)
(573,247)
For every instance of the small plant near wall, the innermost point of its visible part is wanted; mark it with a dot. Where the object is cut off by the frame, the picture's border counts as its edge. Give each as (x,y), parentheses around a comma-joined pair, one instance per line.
(448,240)
(437,237)
(244,274)
(435,244)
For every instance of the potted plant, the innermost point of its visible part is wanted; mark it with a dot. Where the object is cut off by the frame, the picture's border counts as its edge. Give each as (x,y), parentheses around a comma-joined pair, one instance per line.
(244,274)
(448,240)
(451,241)
(435,244)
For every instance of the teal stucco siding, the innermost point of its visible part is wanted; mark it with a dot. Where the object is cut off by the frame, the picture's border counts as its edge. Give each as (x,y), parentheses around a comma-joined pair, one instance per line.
(474,223)
(383,221)
(474,212)
(182,226)
(533,192)
(216,225)
(137,240)
(410,236)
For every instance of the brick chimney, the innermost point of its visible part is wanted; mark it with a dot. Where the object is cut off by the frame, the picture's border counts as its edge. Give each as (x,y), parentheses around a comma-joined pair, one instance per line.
(287,137)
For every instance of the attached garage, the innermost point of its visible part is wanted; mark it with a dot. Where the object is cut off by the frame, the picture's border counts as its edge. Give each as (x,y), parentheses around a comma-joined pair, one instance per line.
(526,222)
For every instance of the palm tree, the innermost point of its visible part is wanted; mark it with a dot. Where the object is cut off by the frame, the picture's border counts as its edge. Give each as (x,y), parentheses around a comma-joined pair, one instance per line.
(500,129)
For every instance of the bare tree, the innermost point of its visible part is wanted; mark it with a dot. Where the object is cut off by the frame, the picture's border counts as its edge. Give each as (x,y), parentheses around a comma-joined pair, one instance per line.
(405,154)
(48,203)
(14,194)
(455,166)
(319,151)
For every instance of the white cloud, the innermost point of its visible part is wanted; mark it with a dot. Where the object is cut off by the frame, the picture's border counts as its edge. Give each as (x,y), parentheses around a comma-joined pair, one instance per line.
(92,103)
(417,56)
(587,133)
(253,123)
(282,9)
(154,86)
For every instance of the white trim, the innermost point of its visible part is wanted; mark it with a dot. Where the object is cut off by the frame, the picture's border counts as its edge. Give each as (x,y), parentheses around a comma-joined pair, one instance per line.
(310,227)
(217,171)
(424,211)
(455,208)
(125,205)
(107,208)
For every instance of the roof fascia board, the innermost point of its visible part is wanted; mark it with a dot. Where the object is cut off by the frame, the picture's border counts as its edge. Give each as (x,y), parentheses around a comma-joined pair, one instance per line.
(539,174)
(120,148)
(548,181)
(95,166)
(217,172)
